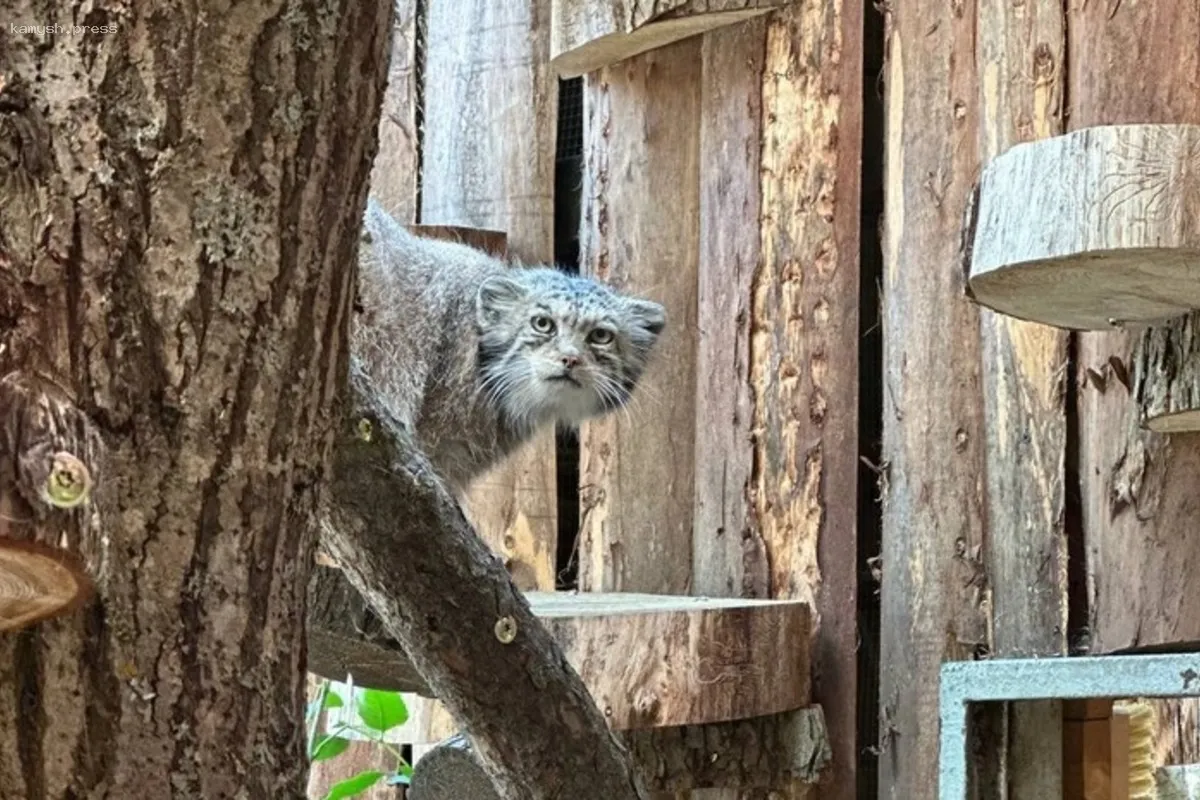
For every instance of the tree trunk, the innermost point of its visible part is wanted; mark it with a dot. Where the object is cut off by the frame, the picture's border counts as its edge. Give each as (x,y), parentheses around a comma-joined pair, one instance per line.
(180,208)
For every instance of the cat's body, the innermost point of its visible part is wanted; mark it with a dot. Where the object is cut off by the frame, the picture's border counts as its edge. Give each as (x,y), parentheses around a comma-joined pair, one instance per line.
(475,356)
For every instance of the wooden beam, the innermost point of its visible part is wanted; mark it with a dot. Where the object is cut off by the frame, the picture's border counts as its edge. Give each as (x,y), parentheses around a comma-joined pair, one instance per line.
(934,577)
(1024,374)
(648,660)
(1092,229)
(1091,756)
(639,233)
(488,162)
(763,753)
(1137,487)
(1138,495)
(588,35)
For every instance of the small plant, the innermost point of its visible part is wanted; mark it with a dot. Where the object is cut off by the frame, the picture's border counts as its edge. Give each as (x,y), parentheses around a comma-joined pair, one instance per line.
(378,712)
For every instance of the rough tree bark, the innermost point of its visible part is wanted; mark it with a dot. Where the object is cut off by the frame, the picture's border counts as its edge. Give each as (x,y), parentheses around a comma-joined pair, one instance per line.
(177,235)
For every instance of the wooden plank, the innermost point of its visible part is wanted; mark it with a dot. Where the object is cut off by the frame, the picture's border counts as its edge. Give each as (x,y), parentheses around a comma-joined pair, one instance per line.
(1132,64)
(593,34)
(933,571)
(1091,229)
(1087,760)
(397,163)
(1024,373)
(728,554)
(804,344)
(640,233)
(648,660)
(488,162)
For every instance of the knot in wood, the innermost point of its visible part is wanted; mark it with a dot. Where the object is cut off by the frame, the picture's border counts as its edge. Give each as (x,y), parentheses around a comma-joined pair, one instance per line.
(56,450)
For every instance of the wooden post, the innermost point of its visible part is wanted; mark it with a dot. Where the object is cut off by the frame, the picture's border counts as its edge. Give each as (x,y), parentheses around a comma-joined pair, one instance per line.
(1024,374)
(1093,762)
(488,162)
(934,582)
(592,34)
(1135,64)
(639,232)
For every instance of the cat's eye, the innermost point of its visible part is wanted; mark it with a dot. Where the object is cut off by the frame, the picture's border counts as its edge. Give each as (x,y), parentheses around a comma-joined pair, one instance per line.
(542,324)
(600,336)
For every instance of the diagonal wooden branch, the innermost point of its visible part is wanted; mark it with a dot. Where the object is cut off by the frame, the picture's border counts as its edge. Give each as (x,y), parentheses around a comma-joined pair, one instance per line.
(404,544)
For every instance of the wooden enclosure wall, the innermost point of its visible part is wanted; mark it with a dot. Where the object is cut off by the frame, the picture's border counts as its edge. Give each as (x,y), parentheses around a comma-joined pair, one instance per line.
(723,179)
(1008,445)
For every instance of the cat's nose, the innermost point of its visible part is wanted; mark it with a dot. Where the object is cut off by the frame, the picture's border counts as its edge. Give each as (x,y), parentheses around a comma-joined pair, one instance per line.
(570,361)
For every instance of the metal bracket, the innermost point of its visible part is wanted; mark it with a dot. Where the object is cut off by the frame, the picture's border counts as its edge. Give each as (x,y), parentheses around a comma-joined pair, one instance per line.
(1067,678)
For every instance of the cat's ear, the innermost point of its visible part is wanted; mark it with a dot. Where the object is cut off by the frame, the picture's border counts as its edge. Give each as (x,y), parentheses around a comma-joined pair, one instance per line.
(647,315)
(497,296)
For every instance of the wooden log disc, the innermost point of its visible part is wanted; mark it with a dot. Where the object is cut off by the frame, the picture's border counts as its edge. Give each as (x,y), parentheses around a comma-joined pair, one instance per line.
(1166,375)
(450,771)
(648,660)
(38,582)
(1092,229)
(587,35)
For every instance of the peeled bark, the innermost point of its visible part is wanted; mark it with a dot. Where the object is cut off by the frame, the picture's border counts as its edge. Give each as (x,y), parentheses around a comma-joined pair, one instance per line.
(180,208)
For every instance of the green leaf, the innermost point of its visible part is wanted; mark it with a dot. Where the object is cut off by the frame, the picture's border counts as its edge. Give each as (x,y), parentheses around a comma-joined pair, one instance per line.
(353,786)
(381,710)
(333,700)
(329,747)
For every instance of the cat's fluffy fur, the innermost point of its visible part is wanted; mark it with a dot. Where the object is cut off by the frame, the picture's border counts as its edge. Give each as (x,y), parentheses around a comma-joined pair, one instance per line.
(475,356)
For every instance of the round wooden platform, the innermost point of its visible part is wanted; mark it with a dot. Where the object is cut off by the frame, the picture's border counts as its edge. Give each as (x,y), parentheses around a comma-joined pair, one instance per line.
(1092,229)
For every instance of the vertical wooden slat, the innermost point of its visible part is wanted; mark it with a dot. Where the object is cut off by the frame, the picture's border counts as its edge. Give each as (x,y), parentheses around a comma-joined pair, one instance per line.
(804,343)
(776,444)
(394,174)
(1022,73)
(1135,63)
(933,584)
(488,161)
(640,232)
(728,554)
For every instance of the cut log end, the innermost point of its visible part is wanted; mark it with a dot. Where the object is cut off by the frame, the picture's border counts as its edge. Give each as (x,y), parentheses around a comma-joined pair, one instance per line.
(450,771)
(1093,229)
(37,582)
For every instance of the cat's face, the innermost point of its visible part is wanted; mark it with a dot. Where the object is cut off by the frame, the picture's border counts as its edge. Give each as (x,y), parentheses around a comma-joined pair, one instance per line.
(559,347)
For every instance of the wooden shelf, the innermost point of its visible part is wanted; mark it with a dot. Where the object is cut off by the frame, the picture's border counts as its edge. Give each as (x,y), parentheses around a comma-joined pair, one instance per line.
(648,660)
(1096,228)
(587,35)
